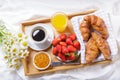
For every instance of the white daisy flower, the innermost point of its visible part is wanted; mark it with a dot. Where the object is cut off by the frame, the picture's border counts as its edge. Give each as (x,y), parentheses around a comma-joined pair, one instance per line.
(26,37)
(20,35)
(25,53)
(24,44)
(17,66)
(6,58)
(20,54)
(15,60)
(11,65)
(14,49)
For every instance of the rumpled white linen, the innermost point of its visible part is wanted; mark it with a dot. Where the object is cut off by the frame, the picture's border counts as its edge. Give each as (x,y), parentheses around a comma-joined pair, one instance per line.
(13,12)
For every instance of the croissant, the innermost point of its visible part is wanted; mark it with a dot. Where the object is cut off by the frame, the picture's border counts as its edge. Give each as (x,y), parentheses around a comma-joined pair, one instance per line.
(92,50)
(85,31)
(102,45)
(96,23)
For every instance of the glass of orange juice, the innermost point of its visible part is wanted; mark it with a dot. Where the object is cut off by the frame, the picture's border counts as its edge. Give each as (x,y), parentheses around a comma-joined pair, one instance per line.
(59,20)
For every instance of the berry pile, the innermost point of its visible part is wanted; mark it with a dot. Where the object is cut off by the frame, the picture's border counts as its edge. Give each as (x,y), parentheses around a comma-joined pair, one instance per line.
(66,47)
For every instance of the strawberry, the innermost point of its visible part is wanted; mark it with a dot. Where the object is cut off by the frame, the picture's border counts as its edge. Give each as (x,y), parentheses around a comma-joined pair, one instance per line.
(77,45)
(72,36)
(71,48)
(64,50)
(63,44)
(63,37)
(56,41)
(72,56)
(54,51)
(62,57)
(69,41)
(59,48)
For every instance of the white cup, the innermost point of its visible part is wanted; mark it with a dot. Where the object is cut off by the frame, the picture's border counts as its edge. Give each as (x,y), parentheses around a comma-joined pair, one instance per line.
(46,42)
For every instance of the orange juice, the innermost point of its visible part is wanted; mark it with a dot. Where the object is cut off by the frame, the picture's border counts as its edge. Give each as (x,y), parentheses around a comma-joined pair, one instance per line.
(59,21)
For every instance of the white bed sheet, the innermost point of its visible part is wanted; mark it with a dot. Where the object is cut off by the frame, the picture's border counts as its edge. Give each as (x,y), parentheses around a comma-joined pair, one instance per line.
(13,12)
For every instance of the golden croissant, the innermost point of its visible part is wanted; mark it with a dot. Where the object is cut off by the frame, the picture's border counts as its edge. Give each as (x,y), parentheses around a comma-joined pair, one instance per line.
(96,23)
(85,31)
(102,45)
(92,51)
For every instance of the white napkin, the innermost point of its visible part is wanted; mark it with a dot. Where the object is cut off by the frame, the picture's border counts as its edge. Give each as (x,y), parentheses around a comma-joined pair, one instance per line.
(111,39)
(13,12)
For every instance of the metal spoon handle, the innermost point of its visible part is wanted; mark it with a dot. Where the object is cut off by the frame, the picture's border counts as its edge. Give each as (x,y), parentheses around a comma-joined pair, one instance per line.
(62,63)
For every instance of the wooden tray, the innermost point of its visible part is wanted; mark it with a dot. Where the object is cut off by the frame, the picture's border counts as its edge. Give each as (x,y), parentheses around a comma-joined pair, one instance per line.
(29,69)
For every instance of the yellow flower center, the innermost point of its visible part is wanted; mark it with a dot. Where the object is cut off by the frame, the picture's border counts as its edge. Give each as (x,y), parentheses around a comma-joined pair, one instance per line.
(14,50)
(20,54)
(5,57)
(24,43)
(12,41)
(19,34)
(16,60)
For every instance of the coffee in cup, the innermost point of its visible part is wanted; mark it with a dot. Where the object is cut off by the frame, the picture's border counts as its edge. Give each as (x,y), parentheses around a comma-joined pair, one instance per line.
(40,36)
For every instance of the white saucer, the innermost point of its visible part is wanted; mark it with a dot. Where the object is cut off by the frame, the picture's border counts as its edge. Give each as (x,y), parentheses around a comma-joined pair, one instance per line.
(40,47)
